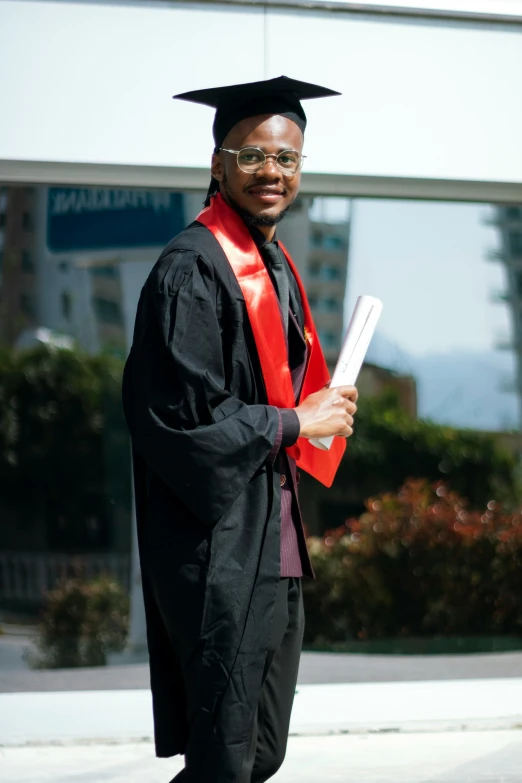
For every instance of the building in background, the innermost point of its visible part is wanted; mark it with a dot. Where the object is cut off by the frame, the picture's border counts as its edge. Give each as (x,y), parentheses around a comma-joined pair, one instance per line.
(64,255)
(508,220)
(18,277)
(74,261)
(374,381)
(318,240)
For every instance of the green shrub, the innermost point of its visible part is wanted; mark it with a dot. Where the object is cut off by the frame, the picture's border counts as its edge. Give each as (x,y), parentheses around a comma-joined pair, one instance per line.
(472,463)
(82,622)
(64,447)
(419,562)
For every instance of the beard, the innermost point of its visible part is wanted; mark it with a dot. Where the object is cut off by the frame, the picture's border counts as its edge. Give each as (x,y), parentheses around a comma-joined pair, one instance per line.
(250,218)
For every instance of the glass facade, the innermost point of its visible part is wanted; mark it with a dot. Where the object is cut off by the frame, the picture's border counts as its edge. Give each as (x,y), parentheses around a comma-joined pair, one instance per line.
(73,260)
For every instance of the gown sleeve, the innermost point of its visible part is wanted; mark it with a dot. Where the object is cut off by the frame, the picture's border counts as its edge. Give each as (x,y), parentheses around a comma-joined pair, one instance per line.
(190,429)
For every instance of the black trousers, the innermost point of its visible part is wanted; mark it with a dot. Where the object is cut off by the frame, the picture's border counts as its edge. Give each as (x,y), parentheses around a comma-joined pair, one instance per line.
(272,720)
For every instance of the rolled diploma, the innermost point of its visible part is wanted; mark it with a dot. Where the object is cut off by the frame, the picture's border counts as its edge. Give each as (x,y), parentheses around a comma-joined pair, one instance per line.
(357,339)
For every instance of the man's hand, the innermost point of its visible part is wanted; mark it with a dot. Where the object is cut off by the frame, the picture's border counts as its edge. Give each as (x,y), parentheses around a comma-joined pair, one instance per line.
(328,412)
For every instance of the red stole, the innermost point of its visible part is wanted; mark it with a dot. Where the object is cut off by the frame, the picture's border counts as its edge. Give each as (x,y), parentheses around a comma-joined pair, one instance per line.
(265,319)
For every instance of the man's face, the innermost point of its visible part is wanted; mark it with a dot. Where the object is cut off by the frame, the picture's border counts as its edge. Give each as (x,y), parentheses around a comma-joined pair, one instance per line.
(267,194)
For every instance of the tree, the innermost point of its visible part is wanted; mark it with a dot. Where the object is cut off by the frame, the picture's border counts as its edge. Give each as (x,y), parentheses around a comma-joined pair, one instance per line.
(64,452)
(389,446)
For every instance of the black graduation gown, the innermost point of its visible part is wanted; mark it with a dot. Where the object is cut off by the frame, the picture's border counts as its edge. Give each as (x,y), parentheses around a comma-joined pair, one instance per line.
(207,504)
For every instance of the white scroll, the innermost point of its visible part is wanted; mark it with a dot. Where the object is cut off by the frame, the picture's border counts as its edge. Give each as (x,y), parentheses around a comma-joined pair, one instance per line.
(360,331)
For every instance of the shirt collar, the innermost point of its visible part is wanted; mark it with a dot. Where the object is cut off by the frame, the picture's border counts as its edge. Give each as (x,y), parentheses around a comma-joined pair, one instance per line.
(260,239)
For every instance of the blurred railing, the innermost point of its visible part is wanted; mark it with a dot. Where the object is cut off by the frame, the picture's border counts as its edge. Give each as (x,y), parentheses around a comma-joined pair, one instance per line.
(27,576)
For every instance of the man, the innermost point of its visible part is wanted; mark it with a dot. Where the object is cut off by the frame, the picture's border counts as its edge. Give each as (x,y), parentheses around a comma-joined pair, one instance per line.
(224,385)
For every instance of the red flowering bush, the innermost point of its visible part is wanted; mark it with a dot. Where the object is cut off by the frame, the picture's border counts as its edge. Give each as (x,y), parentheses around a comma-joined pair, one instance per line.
(418,562)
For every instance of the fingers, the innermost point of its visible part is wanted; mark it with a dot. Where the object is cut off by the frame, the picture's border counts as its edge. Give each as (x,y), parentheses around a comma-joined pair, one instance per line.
(329,412)
(349,406)
(348,392)
(349,412)
(346,433)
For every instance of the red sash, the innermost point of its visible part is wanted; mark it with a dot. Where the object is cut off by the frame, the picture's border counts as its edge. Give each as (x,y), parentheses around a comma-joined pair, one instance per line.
(264,316)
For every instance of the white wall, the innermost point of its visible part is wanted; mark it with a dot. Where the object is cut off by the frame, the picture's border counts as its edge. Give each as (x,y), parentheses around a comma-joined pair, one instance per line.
(420,99)
(92,82)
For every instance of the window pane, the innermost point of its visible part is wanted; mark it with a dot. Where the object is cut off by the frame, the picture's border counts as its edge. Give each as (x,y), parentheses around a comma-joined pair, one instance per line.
(446,317)
(515,243)
(73,261)
(27,261)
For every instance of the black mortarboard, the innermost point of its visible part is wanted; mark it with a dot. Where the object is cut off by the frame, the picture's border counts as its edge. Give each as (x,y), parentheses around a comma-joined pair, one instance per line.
(272,96)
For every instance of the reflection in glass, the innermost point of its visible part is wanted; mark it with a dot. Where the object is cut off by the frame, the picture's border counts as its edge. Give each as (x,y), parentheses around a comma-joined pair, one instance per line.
(72,264)
(429,263)
(508,221)
(73,261)
(316,232)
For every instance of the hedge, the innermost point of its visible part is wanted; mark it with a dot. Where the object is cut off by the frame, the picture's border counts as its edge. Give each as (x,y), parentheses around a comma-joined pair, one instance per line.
(418,562)
(388,446)
(64,448)
(82,622)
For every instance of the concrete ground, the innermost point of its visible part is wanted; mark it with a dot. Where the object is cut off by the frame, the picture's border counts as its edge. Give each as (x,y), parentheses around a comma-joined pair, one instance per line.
(445,731)
(474,757)
(356,708)
(376,719)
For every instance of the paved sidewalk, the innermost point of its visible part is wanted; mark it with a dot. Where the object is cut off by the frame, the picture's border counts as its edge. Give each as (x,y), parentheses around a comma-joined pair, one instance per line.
(315,668)
(483,757)
(412,707)
(453,731)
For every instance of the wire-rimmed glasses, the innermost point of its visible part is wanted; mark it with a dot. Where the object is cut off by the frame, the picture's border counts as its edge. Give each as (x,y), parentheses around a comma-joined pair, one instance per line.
(252,159)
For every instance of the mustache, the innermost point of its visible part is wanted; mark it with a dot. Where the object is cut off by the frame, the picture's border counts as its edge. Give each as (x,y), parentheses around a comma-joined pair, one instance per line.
(257,221)
(265,183)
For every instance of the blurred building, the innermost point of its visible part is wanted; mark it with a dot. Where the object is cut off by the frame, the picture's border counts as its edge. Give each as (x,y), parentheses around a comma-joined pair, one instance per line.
(18,274)
(319,244)
(508,220)
(73,263)
(64,252)
(374,381)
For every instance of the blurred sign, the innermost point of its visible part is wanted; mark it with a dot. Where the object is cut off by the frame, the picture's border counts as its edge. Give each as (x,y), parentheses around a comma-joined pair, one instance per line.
(100,218)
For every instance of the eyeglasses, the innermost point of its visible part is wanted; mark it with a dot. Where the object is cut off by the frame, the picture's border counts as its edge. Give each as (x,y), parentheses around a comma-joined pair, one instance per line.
(252,159)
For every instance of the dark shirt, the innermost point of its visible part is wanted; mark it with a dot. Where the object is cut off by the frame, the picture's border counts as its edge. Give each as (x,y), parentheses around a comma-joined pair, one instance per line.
(294,555)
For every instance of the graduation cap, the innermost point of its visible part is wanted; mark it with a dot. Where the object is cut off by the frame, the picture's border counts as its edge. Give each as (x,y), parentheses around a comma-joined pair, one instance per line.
(236,102)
